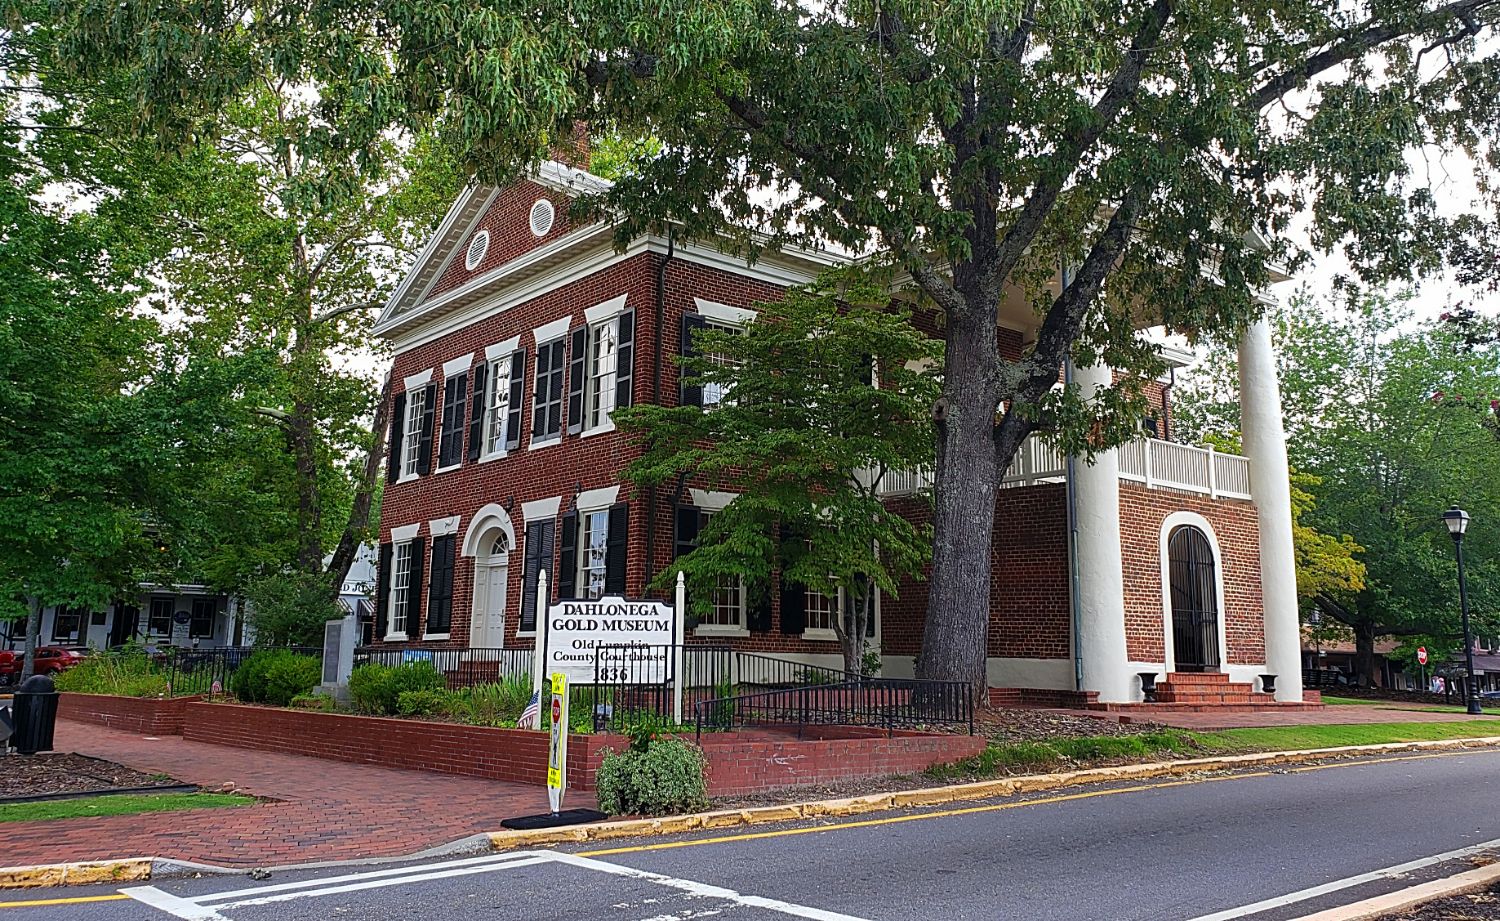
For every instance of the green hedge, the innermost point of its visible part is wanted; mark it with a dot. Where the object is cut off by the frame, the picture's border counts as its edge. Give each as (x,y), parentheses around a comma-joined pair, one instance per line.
(665,778)
(377,689)
(275,676)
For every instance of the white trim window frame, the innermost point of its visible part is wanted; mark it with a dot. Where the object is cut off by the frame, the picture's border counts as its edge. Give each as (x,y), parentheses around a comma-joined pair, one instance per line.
(603,367)
(826,609)
(401,600)
(727,610)
(411,433)
(593,558)
(715,394)
(496,406)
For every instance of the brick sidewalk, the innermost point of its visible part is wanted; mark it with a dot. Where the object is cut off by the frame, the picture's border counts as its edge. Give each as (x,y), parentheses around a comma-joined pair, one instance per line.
(325,810)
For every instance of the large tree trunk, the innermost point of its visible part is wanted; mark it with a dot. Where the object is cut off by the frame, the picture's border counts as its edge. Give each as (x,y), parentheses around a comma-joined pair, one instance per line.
(33,636)
(1364,654)
(364,498)
(954,639)
(304,442)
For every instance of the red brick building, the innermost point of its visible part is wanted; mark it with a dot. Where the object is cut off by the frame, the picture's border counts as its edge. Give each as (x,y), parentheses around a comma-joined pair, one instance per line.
(518,331)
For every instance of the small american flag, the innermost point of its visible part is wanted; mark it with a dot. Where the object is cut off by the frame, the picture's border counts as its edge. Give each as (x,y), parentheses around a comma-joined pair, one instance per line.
(533,710)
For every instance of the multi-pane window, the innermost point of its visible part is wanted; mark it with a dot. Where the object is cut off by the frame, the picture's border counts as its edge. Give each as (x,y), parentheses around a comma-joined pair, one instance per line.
(593,560)
(728,608)
(202,624)
(160,621)
(547,403)
(716,392)
(400,587)
(604,340)
(412,438)
(821,611)
(497,405)
(67,625)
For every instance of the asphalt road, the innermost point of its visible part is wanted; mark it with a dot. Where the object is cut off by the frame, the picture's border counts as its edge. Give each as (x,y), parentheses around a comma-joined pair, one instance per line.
(1261,845)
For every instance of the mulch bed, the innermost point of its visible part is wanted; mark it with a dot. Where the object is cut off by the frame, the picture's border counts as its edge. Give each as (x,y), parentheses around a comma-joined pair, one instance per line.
(999,725)
(1483,905)
(48,774)
(1022,724)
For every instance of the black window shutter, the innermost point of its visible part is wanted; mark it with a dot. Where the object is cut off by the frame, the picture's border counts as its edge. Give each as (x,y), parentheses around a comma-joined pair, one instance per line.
(577,374)
(555,392)
(793,607)
(614,553)
(539,392)
(382,590)
(870,624)
(451,441)
(517,389)
(625,359)
(429,413)
(567,557)
(758,608)
(692,394)
(689,522)
(414,593)
(476,412)
(398,425)
(440,586)
(531,566)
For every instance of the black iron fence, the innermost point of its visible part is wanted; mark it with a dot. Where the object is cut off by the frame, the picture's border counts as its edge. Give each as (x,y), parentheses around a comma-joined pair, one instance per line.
(463,668)
(208,672)
(883,703)
(632,684)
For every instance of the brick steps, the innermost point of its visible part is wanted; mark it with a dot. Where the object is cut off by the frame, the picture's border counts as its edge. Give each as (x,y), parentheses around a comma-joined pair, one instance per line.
(1269,706)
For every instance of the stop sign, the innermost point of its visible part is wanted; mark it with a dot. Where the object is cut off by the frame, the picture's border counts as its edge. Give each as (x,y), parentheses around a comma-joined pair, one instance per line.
(556,710)
(1421,655)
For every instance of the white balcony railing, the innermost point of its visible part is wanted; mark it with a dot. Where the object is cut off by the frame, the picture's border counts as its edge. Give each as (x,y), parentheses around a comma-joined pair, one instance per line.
(1157,464)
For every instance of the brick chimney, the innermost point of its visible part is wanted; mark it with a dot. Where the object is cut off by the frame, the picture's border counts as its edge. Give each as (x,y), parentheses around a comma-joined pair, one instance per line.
(573,149)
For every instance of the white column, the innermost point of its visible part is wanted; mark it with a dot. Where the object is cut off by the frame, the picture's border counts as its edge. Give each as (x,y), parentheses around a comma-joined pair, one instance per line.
(1265,446)
(1101,580)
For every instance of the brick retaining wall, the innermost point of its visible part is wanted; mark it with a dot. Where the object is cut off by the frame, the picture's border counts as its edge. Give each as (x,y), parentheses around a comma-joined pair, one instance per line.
(743,763)
(152,716)
(516,755)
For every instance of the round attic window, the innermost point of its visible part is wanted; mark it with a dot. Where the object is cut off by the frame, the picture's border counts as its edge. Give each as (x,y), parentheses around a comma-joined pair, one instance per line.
(541,217)
(477,248)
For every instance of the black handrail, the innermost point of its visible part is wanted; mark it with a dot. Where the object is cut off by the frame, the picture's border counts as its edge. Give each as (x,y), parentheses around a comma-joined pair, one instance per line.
(463,667)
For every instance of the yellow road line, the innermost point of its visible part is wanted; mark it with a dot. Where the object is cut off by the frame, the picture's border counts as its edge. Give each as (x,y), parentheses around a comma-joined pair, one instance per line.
(994,807)
(76,900)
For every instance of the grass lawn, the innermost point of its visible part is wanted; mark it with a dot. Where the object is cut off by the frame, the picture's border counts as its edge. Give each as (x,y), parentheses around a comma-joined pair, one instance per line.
(1169,744)
(1281,738)
(1392,704)
(122,804)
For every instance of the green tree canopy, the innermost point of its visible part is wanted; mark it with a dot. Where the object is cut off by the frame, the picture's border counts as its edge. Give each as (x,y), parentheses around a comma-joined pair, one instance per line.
(1148,146)
(824,393)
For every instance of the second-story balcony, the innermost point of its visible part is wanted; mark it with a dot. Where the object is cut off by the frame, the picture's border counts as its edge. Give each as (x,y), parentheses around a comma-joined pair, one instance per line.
(1152,462)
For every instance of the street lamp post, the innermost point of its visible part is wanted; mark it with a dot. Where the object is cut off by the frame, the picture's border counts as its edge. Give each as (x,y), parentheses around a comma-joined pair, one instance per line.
(1457,521)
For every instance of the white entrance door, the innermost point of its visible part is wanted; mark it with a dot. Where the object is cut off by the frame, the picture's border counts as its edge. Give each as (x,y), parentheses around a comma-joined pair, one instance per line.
(491,577)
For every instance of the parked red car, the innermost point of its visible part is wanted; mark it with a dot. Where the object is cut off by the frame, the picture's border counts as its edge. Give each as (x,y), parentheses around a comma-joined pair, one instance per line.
(49,660)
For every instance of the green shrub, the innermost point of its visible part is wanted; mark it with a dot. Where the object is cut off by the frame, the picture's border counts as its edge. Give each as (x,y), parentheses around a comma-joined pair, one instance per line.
(664,779)
(319,702)
(129,672)
(377,689)
(425,703)
(275,676)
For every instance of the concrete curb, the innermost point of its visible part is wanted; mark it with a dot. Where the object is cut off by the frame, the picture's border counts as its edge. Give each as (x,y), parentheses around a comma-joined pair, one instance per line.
(1392,902)
(933,796)
(76,874)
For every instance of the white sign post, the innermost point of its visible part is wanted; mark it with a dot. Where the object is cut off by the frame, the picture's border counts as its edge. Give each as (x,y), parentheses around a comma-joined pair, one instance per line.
(679,611)
(538,656)
(557,750)
(576,629)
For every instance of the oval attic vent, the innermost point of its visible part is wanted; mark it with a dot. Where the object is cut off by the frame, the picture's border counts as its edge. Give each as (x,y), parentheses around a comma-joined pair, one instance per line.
(541,217)
(477,248)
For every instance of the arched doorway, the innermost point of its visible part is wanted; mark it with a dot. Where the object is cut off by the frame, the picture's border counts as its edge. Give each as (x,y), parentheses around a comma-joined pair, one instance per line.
(491,579)
(1194,584)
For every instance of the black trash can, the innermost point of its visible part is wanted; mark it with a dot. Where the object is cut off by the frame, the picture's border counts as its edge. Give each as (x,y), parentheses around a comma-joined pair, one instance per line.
(35,711)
